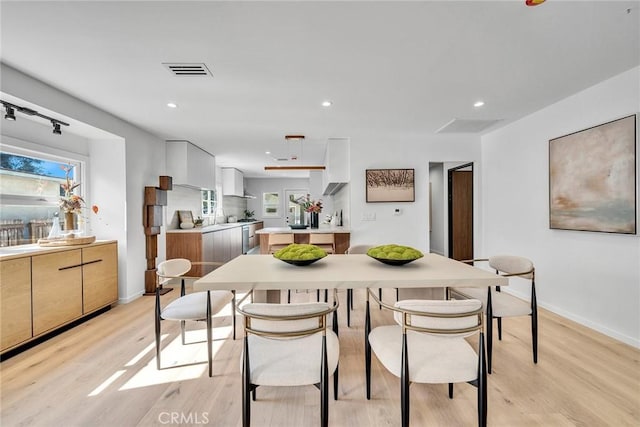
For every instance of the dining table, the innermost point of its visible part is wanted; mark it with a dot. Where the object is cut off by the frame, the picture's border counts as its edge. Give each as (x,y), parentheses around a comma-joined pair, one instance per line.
(267,276)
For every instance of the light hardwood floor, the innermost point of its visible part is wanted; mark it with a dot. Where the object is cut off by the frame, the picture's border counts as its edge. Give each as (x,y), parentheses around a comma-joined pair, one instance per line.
(102,373)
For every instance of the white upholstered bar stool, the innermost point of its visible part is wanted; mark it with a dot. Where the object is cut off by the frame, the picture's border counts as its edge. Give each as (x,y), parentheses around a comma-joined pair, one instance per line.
(197,306)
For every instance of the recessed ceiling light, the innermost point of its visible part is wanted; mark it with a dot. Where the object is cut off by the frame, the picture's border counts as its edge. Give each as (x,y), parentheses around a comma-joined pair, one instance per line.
(326,103)
(478,104)
(172,105)
(267,152)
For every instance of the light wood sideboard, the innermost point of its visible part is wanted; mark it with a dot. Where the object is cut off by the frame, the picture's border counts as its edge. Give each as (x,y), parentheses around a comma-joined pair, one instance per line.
(42,291)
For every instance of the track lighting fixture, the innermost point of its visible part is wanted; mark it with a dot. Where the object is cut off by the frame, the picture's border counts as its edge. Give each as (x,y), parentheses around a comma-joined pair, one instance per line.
(10,113)
(56,127)
(11,109)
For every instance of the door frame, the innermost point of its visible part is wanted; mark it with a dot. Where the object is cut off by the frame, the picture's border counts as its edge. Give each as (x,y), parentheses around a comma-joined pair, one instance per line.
(450,211)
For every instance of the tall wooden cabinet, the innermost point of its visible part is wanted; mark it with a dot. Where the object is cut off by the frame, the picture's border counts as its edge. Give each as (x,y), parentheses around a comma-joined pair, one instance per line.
(48,288)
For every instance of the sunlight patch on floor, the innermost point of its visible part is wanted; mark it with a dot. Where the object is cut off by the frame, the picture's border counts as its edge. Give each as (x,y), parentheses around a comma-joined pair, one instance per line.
(180,362)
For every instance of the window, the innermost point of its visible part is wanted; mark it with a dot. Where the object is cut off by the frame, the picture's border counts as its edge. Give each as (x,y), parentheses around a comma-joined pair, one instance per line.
(209,203)
(30,193)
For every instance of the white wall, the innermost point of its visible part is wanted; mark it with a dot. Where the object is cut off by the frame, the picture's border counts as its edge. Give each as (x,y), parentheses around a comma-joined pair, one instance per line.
(144,162)
(593,278)
(412,227)
(257,186)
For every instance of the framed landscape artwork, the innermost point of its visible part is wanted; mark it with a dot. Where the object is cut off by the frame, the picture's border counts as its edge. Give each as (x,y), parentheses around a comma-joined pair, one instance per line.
(390,185)
(592,179)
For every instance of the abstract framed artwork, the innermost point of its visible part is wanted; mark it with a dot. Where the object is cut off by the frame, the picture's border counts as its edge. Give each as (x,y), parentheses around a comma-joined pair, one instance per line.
(390,185)
(271,204)
(592,179)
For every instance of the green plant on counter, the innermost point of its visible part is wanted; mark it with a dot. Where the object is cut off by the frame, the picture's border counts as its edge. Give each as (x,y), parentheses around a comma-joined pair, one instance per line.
(248,214)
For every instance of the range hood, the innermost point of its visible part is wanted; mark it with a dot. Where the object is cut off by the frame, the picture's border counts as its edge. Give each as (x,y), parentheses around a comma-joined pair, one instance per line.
(332,188)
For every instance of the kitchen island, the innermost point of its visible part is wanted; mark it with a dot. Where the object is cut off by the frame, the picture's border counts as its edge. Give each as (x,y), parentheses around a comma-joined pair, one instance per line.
(342,236)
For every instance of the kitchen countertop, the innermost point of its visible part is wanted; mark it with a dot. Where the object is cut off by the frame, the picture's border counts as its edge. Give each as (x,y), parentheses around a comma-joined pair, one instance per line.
(210,228)
(321,230)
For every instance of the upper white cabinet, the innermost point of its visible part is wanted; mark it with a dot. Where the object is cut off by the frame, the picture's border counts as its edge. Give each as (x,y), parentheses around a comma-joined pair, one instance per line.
(190,166)
(336,162)
(232,182)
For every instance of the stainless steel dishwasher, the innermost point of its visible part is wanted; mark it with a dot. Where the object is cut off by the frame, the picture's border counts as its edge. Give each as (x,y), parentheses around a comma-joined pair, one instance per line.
(245,239)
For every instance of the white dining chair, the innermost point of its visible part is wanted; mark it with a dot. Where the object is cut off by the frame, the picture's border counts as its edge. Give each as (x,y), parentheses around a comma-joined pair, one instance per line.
(500,304)
(197,306)
(427,345)
(289,345)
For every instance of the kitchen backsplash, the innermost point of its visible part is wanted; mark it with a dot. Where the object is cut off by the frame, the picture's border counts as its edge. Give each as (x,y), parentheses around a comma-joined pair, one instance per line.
(234,206)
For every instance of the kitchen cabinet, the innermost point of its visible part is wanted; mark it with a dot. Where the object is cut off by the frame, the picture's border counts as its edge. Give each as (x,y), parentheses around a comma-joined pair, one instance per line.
(232,182)
(15,301)
(254,239)
(45,289)
(190,165)
(217,245)
(336,162)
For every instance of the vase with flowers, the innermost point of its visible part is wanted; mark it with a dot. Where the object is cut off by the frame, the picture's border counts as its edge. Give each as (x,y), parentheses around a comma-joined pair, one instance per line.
(313,207)
(71,204)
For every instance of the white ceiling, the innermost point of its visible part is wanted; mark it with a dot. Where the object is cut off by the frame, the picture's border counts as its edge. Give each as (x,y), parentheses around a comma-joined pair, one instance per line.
(392,69)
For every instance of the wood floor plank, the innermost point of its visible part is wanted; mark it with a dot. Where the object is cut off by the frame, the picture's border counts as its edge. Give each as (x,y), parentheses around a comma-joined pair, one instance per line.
(102,373)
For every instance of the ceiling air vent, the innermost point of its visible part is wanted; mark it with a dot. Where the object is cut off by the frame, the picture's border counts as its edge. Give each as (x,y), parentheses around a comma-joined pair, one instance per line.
(187,70)
(467,126)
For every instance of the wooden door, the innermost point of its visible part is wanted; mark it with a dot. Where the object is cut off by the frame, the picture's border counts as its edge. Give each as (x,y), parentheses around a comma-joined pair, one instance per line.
(460,214)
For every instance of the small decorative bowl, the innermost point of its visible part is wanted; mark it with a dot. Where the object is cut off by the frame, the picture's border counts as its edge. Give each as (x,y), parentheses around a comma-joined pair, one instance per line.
(300,262)
(389,261)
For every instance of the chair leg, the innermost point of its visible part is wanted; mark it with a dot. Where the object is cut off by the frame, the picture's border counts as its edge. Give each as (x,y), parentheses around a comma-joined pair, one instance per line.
(450,390)
(253,394)
(209,334)
(482,383)
(157,327)
(318,295)
(349,296)
(289,296)
(324,386)
(233,314)
(404,383)
(326,295)
(489,323)
(534,323)
(183,332)
(499,319)
(367,349)
(351,293)
(397,294)
(380,296)
(246,385)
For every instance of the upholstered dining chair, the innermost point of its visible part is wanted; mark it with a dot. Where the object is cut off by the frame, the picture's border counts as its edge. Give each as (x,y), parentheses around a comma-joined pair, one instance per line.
(197,306)
(428,345)
(501,304)
(289,345)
